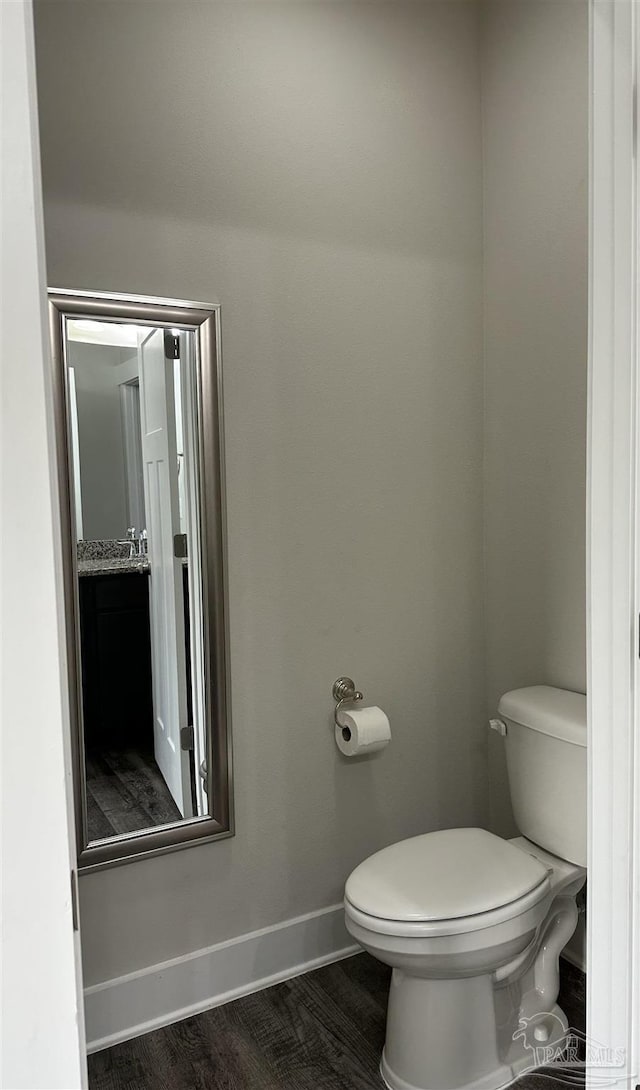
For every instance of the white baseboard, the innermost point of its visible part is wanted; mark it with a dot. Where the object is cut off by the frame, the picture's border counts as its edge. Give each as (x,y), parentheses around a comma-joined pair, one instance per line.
(131,1005)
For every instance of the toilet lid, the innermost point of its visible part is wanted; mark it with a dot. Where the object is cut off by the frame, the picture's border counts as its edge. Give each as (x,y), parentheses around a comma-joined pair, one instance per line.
(443,876)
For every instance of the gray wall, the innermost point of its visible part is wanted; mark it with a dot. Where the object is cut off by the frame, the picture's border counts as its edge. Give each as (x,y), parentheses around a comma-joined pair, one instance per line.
(316,168)
(100,440)
(535,130)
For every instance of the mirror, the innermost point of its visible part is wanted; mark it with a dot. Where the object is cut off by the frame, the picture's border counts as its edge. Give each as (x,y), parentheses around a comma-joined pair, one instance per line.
(140,456)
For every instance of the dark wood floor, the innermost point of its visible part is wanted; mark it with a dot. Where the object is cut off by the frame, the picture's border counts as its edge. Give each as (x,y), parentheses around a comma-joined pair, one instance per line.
(126,792)
(321,1031)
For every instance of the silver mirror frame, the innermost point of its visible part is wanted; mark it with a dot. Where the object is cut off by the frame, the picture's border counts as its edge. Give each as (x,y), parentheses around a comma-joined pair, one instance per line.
(204,320)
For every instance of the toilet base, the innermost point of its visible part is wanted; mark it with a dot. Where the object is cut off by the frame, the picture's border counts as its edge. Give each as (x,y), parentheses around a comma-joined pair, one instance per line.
(499,1079)
(443,1035)
(490,1082)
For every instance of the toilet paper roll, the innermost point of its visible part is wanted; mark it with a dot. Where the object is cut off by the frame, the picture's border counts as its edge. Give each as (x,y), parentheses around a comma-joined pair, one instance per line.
(362,730)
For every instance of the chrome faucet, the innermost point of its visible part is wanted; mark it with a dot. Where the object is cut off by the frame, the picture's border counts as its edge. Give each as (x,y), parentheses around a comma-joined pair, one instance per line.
(137,545)
(130,540)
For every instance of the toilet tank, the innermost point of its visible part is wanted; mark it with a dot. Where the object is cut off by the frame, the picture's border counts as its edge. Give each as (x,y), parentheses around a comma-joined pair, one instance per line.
(546,747)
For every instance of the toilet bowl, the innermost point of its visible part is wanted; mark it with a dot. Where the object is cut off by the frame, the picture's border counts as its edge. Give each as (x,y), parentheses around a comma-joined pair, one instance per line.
(472,925)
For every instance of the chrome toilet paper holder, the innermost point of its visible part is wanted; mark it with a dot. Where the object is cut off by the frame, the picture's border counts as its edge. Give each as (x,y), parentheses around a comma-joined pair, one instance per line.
(344,692)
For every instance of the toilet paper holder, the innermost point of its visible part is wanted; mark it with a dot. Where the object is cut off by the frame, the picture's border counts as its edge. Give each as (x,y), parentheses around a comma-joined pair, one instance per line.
(344,692)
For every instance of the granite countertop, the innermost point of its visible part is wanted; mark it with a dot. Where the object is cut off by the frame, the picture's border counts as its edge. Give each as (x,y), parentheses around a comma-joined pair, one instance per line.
(109,565)
(107,557)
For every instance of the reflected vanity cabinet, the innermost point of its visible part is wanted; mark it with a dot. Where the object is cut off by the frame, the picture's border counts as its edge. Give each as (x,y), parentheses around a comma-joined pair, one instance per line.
(115,642)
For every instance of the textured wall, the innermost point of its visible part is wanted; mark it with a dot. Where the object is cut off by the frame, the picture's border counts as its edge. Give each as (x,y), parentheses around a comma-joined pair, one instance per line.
(535,130)
(316,168)
(100,440)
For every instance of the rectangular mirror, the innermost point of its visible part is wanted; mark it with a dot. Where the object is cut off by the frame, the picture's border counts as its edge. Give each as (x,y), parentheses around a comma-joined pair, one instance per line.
(139,430)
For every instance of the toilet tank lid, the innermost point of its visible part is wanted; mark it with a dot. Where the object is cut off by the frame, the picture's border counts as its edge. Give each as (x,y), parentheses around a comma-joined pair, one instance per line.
(556,712)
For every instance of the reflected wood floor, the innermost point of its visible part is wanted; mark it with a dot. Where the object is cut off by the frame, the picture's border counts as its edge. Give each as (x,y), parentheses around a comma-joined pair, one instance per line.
(321,1031)
(126,792)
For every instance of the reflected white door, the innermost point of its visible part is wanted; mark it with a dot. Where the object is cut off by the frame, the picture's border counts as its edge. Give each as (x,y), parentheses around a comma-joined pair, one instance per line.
(188,399)
(75,452)
(157,417)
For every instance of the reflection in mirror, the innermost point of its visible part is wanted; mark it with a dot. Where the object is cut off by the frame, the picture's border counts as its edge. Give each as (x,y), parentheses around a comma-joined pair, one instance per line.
(136,427)
(131,408)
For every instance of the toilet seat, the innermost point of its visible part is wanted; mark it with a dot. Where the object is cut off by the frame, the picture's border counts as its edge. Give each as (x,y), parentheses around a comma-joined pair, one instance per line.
(443,883)
(461,925)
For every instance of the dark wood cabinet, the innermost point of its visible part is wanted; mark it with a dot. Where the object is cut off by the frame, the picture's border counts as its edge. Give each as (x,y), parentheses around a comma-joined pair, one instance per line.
(116,660)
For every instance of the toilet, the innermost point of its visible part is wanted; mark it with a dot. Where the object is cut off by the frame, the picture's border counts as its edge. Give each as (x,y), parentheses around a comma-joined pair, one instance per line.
(473,925)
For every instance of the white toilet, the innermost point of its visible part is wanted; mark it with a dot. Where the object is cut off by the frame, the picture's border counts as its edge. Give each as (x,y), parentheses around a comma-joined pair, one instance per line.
(473,925)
